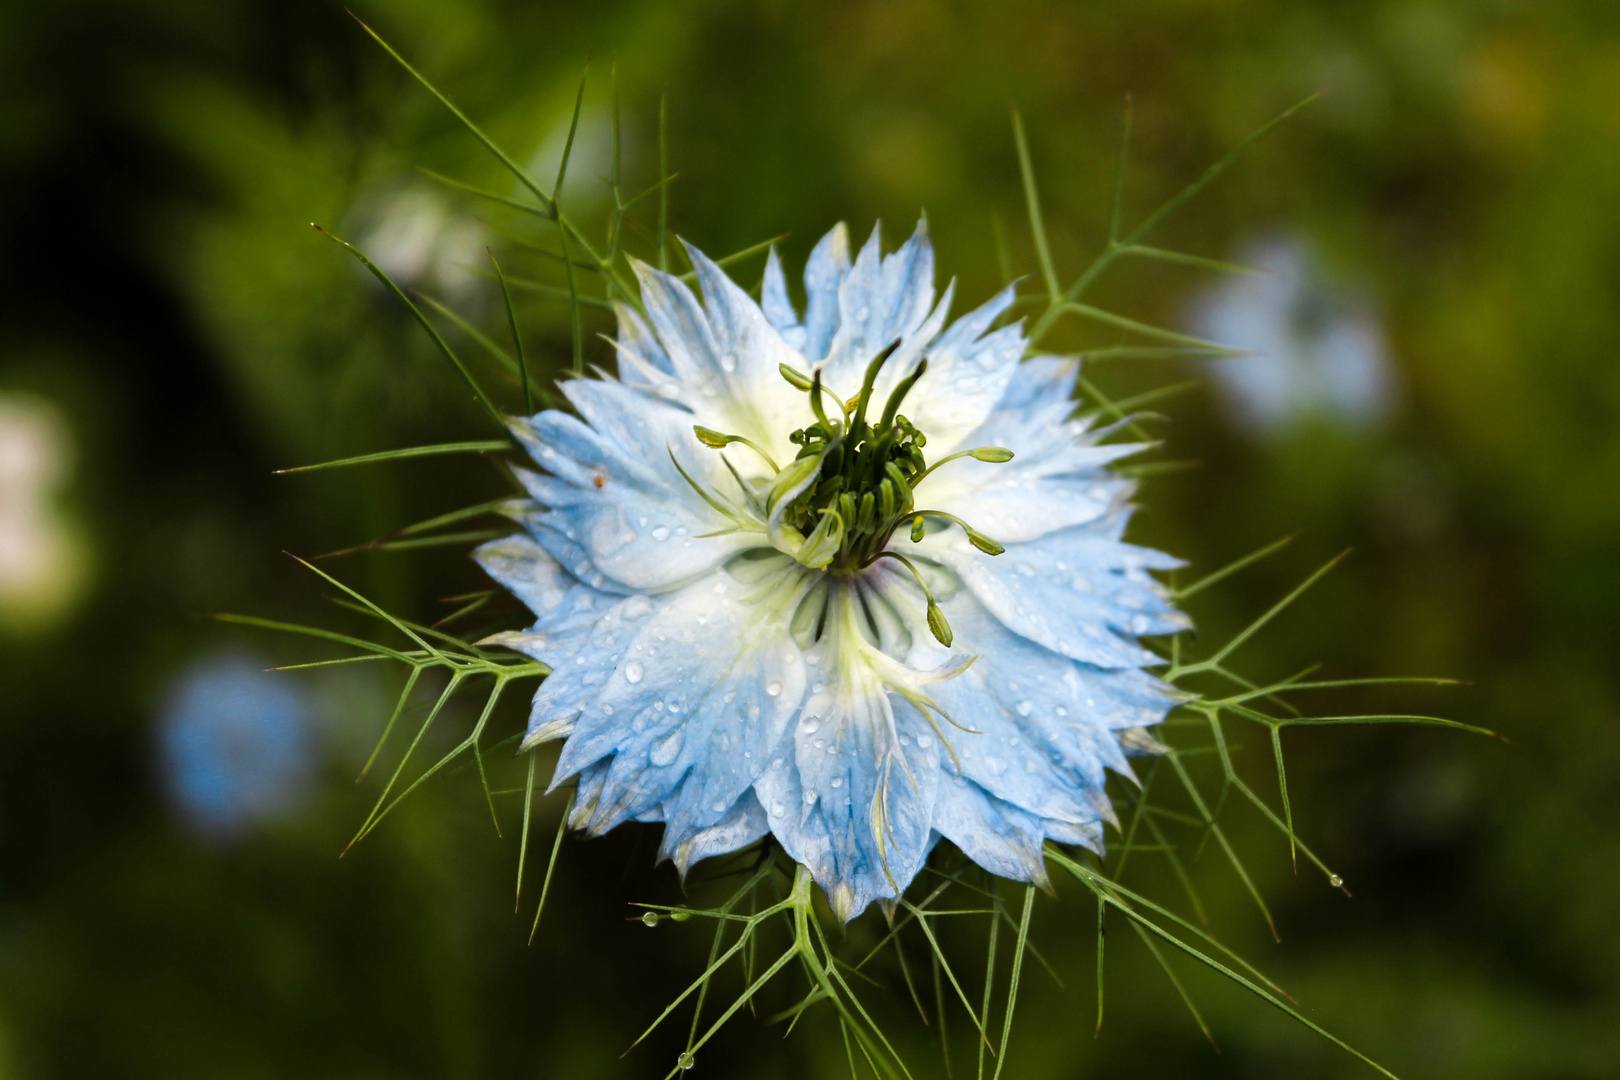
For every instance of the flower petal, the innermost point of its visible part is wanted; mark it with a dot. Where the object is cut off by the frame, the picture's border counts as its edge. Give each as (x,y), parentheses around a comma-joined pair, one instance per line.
(697,701)
(1079,592)
(823,274)
(774,301)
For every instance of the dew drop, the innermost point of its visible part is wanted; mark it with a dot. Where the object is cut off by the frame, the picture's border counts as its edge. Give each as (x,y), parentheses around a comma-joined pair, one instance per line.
(838,781)
(773,688)
(633,672)
(650,919)
(664,752)
(686,1061)
(777,809)
(729,361)
(1025,707)
(720,807)
(661,533)
(925,741)
(810,725)
(1335,880)
(1062,711)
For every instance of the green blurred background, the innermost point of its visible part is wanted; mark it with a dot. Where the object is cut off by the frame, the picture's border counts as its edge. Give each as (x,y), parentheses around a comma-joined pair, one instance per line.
(174,332)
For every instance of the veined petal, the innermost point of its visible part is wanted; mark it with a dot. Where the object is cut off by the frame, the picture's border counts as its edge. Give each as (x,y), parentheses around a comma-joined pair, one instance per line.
(1058,476)
(823,274)
(725,356)
(1078,592)
(882,298)
(698,699)
(968,372)
(775,303)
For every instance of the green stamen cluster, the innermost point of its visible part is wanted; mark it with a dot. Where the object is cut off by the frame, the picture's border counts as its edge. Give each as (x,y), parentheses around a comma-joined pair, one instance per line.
(865,478)
(868,471)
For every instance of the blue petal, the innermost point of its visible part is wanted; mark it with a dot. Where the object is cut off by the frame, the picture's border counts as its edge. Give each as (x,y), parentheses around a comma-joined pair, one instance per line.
(823,274)
(1079,592)
(968,372)
(744,823)
(1044,727)
(850,792)
(701,695)
(775,303)
(880,300)
(997,835)
(616,494)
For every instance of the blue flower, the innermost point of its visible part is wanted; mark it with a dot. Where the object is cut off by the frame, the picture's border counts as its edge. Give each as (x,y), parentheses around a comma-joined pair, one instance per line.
(775,603)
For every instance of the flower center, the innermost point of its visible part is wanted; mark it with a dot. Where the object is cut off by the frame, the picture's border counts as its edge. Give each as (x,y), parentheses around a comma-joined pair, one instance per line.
(853,482)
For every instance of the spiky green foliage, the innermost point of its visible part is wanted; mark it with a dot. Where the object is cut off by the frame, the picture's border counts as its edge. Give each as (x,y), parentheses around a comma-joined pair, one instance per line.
(774,912)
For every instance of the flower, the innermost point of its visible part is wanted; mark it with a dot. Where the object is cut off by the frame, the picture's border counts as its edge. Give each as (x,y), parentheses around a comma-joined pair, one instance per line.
(769,607)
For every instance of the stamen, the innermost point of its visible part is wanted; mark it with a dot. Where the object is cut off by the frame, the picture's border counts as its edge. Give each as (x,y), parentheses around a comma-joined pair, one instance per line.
(867,383)
(996,455)
(901,391)
(975,537)
(936,618)
(719,440)
(796,378)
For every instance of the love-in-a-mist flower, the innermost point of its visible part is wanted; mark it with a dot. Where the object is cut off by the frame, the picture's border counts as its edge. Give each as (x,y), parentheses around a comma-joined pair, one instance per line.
(853,579)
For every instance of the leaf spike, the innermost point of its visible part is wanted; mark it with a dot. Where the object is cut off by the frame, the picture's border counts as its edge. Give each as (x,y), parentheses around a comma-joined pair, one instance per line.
(516,170)
(663,172)
(517,338)
(444,347)
(1117,201)
(1032,202)
(562,234)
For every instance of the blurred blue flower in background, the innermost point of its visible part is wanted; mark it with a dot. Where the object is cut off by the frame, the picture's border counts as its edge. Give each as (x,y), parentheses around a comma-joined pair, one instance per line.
(235,745)
(1316,348)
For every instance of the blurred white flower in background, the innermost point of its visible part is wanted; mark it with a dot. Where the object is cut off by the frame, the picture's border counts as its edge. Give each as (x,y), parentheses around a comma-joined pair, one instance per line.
(421,239)
(43,554)
(1316,347)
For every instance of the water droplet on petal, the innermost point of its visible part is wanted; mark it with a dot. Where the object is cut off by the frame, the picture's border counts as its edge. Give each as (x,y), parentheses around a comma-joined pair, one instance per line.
(633,672)
(666,749)
(773,688)
(1025,707)
(661,533)
(838,781)
(729,361)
